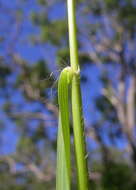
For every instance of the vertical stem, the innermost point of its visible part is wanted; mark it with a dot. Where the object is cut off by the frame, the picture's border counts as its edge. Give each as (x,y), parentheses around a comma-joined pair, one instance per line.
(78,124)
(79,139)
(72,34)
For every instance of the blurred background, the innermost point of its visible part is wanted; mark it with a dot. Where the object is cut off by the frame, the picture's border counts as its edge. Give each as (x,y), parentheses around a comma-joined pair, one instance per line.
(33,51)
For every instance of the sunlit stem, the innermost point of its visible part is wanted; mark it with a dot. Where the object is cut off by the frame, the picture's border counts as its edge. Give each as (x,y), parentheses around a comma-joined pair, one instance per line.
(78,124)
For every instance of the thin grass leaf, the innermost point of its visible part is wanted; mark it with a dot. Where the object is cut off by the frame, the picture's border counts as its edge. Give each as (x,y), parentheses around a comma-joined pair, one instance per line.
(62,177)
(63,147)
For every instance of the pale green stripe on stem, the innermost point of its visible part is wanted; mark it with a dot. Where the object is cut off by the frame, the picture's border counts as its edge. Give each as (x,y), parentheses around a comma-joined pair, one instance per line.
(78,125)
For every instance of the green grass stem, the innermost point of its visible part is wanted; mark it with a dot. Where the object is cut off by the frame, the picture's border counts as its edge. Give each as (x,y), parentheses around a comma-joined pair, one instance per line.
(78,123)
(71,76)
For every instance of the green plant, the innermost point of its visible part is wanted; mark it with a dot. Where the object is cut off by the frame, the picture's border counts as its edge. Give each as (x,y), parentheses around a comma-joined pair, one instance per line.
(70,76)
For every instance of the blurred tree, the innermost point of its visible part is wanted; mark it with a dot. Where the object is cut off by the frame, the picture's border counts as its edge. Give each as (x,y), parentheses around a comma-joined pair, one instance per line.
(113,39)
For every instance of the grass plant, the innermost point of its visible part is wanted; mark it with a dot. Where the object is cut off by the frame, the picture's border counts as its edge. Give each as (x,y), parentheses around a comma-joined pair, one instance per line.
(69,82)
